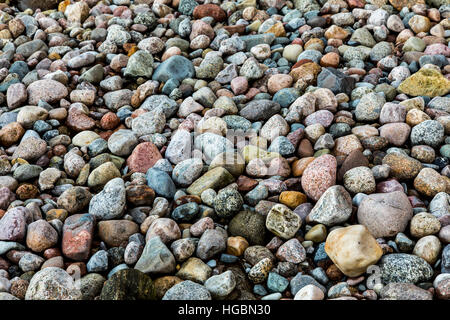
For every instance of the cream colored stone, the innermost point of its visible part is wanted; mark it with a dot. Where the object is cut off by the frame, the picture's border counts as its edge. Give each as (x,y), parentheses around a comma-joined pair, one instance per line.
(424,224)
(352,249)
(309,292)
(428,248)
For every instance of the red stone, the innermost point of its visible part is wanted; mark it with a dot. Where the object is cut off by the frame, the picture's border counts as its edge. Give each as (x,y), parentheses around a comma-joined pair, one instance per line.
(109,121)
(246,184)
(209,10)
(51,253)
(4,265)
(356,3)
(143,157)
(79,121)
(240,28)
(78,232)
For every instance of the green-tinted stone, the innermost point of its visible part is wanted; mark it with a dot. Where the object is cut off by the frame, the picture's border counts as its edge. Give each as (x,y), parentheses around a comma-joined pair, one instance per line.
(425,82)
(213,179)
(249,225)
(128,284)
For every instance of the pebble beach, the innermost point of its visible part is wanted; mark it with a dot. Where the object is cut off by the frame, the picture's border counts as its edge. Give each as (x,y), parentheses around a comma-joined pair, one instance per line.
(225,150)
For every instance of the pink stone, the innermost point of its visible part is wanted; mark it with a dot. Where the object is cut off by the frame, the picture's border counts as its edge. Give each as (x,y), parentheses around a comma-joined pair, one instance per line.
(279,167)
(239,85)
(319,175)
(324,117)
(438,48)
(167,229)
(274,244)
(143,157)
(201,27)
(201,225)
(444,234)
(392,112)
(16,95)
(291,251)
(396,133)
(252,92)
(274,186)
(6,197)
(278,82)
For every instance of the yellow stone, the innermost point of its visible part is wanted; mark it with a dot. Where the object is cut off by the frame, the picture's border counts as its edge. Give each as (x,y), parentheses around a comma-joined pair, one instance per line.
(254,26)
(163,284)
(54,56)
(205,52)
(415,116)
(236,245)
(132,50)
(307,72)
(5,34)
(60,214)
(194,269)
(425,82)
(63,5)
(259,141)
(215,178)
(352,249)
(252,152)
(277,29)
(246,3)
(19,160)
(419,23)
(292,199)
(318,233)
(231,161)
(335,32)
(414,103)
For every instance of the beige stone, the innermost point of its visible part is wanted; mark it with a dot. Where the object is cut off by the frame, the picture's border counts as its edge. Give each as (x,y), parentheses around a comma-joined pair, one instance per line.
(309,292)
(428,248)
(424,224)
(352,249)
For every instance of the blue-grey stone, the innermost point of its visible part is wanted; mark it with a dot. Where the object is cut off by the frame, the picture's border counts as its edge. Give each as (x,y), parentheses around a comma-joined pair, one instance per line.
(186,212)
(301,280)
(161,183)
(187,290)
(277,283)
(286,96)
(98,262)
(176,67)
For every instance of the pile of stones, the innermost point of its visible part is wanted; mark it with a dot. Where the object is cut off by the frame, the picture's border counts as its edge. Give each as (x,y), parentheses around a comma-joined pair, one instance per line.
(228,150)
